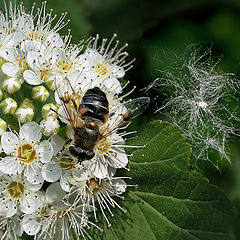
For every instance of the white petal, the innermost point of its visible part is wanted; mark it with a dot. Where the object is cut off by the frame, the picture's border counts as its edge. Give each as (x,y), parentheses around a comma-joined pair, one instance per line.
(10,69)
(9,142)
(35,60)
(54,193)
(17,228)
(57,144)
(118,72)
(119,186)
(54,40)
(9,165)
(31,224)
(64,183)
(13,38)
(33,187)
(45,151)
(8,208)
(30,132)
(8,54)
(121,160)
(32,45)
(31,202)
(51,172)
(111,171)
(31,77)
(82,172)
(99,169)
(33,174)
(113,84)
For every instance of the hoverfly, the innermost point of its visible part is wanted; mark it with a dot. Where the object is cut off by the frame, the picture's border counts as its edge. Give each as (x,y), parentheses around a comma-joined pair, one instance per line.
(91,119)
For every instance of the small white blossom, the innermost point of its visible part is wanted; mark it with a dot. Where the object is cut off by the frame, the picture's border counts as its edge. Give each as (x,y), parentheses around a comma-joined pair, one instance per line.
(89,189)
(8,42)
(58,219)
(10,228)
(26,153)
(18,194)
(109,152)
(61,166)
(104,64)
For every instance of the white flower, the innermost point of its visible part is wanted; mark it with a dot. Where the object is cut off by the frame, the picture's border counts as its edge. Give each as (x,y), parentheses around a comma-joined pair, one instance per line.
(18,194)
(104,64)
(8,42)
(88,189)
(109,152)
(10,228)
(61,166)
(41,68)
(1,95)
(57,220)
(16,67)
(37,26)
(26,153)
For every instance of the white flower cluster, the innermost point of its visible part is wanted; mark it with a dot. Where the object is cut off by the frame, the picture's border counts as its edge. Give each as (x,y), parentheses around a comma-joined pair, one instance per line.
(46,191)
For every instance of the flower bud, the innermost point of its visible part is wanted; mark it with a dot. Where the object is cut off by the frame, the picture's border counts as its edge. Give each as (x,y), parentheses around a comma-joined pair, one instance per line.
(49,126)
(40,93)
(25,112)
(11,85)
(8,106)
(3,126)
(27,103)
(46,110)
(51,84)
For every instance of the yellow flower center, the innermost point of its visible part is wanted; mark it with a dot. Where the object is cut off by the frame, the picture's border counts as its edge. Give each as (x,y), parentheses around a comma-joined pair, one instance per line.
(43,74)
(64,66)
(103,145)
(15,189)
(36,36)
(26,153)
(67,163)
(22,63)
(101,69)
(93,186)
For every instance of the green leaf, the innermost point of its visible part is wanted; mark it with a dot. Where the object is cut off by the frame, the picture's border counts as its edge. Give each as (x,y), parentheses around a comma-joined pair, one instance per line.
(171,203)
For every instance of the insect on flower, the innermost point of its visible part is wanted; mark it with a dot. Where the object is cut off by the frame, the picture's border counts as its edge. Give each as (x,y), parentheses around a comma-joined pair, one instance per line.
(92,121)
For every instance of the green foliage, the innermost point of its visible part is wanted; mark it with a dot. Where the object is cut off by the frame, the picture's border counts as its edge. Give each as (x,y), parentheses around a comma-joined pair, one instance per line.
(171,203)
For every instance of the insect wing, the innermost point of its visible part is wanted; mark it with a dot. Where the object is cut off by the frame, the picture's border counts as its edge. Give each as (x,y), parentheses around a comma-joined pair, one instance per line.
(135,107)
(123,114)
(68,110)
